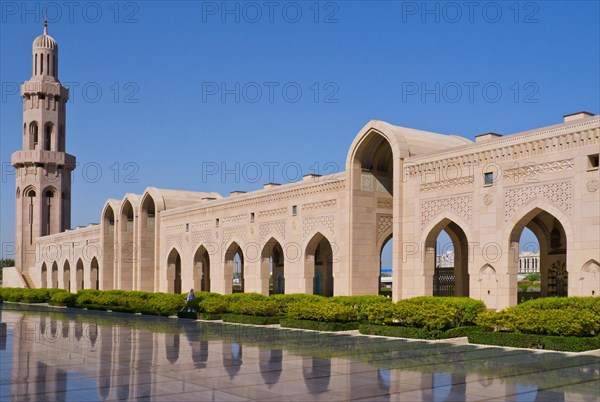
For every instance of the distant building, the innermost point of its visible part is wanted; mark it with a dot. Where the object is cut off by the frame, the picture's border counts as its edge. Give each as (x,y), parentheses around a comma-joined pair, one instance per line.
(529,262)
(445,260)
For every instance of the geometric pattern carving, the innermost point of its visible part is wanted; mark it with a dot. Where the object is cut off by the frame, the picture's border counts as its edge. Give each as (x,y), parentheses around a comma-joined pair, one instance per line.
(461,205)
(319,205)
(592,185)
(533,169)
(272,212)
(204,237)
(366,182)
(175,240)
(202,224)
(452,183)
(236,218)
(384,203)
(559,193)
(238,232)
(309,224)
(271,227)
(384,222)
(488,199)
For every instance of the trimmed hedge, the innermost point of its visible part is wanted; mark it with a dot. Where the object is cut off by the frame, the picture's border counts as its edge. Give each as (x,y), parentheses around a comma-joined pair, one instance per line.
(512,339)
(416,333)
(23,295)
(327,311)
(250,319)
(318,325)
(557,316)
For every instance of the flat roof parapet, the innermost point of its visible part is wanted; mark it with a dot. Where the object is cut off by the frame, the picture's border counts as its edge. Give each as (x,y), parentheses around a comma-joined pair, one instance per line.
(487,137)
(271,185)
(311,176)
(237,192)
(576,116)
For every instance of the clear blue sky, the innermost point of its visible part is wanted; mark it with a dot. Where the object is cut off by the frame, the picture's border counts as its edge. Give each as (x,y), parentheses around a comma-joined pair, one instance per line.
(161,68)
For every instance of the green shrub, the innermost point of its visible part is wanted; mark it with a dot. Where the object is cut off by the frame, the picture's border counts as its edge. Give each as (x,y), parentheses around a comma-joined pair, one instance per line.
(213,305)
(283,301)
(397,331)
(566,321)
(63,298)
(328,311)
(166,303)
(194,304)
(382,314)
(467,309)
(511,339)
(261,308)
(552,303)
(318,325)
(249,319)
(361,304)
(244,297)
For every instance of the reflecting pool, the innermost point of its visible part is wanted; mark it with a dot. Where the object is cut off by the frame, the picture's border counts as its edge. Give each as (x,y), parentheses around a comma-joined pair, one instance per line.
(74,355)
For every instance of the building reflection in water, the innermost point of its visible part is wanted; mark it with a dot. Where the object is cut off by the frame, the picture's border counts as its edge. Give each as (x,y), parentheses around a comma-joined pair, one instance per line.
(270,363)
(232,358)
(125,363)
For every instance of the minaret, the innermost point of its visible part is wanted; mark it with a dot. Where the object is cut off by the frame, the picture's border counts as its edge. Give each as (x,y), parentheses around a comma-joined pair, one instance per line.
(43,169)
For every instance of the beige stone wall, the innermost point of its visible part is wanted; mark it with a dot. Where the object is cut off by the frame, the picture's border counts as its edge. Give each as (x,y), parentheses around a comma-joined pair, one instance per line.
(69,260)
(544,171)
(162,240)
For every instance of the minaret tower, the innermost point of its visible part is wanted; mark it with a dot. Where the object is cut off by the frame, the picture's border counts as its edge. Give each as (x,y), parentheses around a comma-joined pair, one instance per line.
(43,169)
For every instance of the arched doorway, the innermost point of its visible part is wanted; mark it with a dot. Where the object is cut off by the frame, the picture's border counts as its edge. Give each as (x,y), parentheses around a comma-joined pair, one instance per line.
(108,248)
(234,267)
(147,243)
(202,270)
(370,167)
(385,268)
(54,278)
(79,276)
(95,283)
(271,266)
(174,272)
(447,259)
(319,265)
(128,251)
(66,276)
(44,275)
(552,239)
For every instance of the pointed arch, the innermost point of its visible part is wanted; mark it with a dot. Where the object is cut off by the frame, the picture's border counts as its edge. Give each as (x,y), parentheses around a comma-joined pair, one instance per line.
(590,278)
(174,271)
(554,232)
(54,276)
(50,209)
(234,268)
(109,223)
(94,274)
(148,237)
(67,276)
(127,244)
(201,274)
(44,276)
(319,265)
(488,286)
(79,275)
(272,262)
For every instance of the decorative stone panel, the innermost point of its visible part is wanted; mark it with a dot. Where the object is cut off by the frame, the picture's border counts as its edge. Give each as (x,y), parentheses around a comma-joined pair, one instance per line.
(310,224)
(272,227)
(384,223)
(461,205)
(239,232)
(446,184)
(559,193)
(531,169)
(272,212)
(319,205)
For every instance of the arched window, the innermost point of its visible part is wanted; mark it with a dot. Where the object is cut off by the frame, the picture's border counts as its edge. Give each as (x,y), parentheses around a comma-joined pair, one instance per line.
(33,132)
(31,195)
(41,63)
(48,137)
(35,65)
(48,199)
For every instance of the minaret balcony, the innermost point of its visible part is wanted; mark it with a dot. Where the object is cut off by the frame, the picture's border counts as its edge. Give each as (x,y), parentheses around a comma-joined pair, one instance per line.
(49,88)
(28,158)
